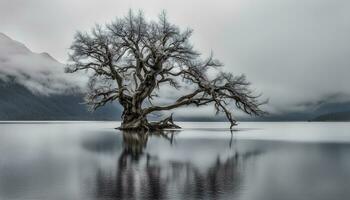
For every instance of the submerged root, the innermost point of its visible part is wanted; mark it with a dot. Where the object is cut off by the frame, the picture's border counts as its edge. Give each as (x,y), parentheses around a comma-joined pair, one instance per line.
(167,123)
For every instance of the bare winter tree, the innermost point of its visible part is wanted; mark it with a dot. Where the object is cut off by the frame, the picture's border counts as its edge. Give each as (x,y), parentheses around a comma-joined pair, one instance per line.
(130,59)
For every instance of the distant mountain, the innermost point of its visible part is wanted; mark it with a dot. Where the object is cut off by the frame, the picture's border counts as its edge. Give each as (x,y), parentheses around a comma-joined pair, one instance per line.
(19,103)
(34,87)
(38,72)
(335,116)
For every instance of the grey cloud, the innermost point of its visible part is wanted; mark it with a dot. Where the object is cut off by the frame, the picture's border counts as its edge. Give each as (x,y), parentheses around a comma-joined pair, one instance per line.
(295,52)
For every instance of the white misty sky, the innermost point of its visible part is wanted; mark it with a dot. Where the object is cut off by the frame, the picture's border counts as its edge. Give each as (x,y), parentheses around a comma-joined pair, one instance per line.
(295,52)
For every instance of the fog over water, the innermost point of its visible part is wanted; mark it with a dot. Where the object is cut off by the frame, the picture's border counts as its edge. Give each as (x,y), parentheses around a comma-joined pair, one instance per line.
(91,160)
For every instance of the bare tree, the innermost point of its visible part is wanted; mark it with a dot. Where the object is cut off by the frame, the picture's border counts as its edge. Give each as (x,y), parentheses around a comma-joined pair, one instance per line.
(130,59)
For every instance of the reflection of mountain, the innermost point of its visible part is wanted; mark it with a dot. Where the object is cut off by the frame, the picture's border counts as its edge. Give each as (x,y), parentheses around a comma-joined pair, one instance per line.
(141,175)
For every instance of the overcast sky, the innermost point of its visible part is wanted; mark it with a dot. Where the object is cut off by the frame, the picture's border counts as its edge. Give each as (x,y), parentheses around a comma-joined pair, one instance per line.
(296,52)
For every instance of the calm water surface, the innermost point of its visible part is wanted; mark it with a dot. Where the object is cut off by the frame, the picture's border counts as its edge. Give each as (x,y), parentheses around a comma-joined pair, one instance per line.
(91,160)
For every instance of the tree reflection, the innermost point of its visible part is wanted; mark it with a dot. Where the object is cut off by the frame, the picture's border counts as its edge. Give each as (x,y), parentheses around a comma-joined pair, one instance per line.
(140,175)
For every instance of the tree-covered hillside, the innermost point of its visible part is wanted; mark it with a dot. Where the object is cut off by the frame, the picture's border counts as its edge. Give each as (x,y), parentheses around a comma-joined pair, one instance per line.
(18,103)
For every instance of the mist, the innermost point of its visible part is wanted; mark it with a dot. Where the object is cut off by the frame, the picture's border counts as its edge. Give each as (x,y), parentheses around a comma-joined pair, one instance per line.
(294,52)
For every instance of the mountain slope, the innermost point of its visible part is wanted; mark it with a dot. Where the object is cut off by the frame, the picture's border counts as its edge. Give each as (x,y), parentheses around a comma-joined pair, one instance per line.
(38,72)
(34,87)
(334,116)
(19,103)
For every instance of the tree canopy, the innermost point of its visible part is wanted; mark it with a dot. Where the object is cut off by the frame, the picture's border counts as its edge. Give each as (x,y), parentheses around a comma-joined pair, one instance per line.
(130,59)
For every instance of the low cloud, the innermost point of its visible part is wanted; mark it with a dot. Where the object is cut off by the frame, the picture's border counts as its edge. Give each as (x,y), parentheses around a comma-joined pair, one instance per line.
(40,73)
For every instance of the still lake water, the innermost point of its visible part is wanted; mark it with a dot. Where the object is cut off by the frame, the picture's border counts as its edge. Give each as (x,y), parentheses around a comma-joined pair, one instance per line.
(91,160)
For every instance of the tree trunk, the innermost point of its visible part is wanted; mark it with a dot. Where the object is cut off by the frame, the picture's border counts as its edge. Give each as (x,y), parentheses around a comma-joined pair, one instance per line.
(136,121)
(132,120)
